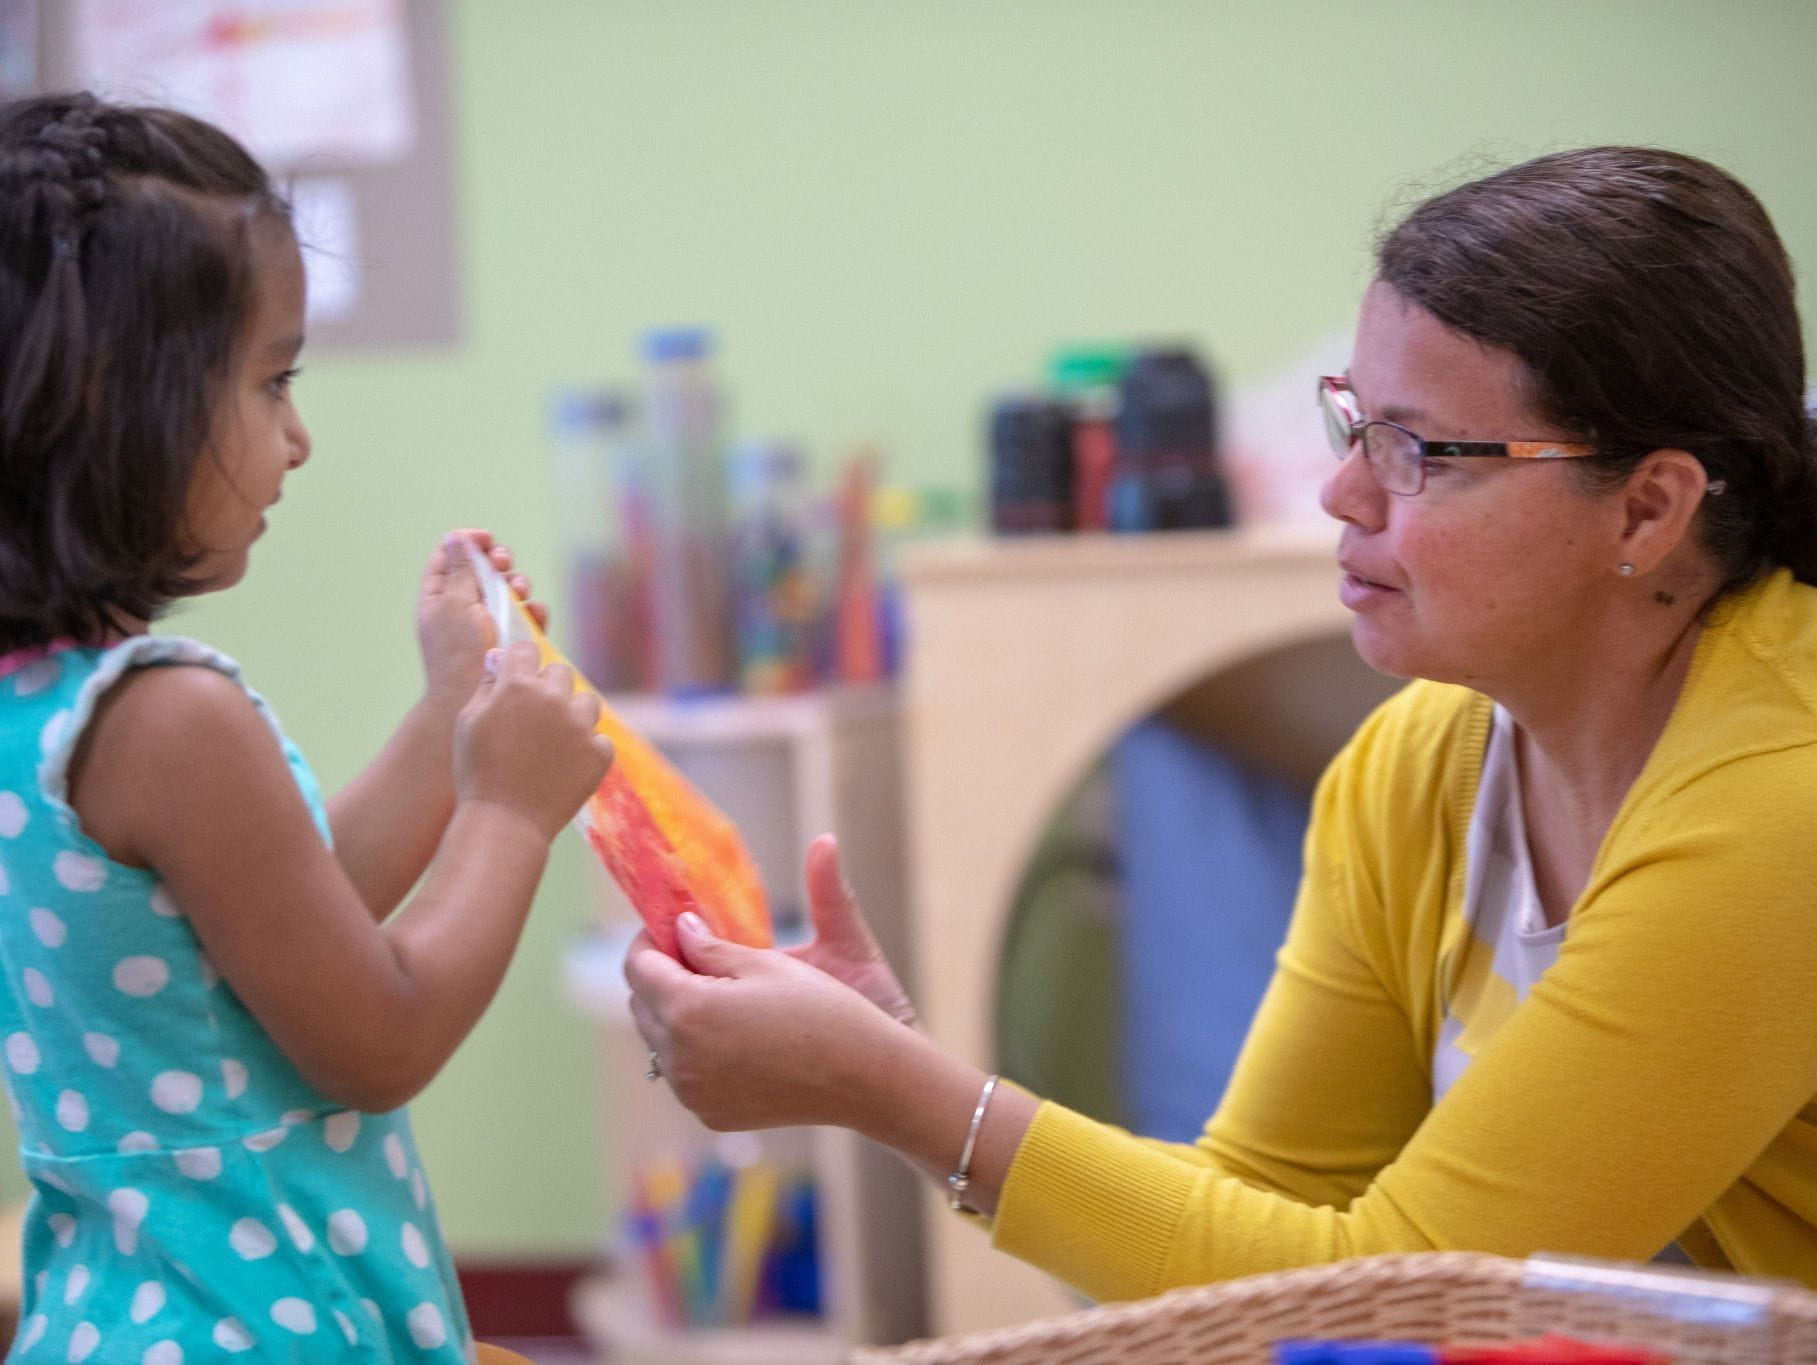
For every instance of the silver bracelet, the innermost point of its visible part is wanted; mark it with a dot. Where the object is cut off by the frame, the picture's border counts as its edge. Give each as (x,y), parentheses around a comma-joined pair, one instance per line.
(959,1183)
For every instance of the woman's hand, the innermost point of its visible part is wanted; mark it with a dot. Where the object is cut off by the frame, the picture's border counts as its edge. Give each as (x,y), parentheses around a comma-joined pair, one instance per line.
(755,1038)
(843,946)
(452,627)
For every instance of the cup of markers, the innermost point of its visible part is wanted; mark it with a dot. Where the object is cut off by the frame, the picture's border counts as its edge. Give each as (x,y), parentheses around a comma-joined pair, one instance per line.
(722,1243)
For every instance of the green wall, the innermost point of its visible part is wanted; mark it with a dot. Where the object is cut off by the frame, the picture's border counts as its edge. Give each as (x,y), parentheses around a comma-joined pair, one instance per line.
(890,208)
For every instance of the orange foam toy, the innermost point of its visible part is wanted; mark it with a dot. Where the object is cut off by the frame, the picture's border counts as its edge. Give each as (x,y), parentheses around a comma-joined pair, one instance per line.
(669,848)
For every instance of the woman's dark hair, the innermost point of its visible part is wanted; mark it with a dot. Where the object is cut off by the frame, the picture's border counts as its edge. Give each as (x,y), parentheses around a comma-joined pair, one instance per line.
(126,281)
(1652,303)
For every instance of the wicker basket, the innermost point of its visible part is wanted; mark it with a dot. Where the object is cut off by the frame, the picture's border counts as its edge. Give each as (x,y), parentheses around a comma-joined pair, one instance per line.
(1434,1297)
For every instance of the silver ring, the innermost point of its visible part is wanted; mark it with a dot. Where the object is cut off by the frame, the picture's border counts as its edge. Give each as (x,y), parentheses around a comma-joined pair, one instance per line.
(655,1071)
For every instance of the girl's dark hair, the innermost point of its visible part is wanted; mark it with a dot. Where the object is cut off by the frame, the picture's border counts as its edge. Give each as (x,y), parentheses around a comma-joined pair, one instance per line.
(126,237)
(1652,304)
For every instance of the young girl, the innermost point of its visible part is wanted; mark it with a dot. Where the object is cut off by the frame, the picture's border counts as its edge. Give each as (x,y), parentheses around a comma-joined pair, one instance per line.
(209,1013)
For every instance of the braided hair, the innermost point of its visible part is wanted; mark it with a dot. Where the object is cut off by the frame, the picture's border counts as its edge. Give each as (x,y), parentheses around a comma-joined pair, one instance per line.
(126,280)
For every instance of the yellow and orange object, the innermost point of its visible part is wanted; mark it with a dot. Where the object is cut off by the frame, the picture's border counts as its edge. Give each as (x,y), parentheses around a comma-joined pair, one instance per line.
(669,848)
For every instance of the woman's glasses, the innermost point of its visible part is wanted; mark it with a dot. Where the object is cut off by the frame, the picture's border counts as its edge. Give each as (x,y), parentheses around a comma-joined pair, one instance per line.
(1397,457)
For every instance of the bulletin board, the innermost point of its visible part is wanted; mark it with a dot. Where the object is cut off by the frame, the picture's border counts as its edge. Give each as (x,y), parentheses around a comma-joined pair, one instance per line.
(346,102)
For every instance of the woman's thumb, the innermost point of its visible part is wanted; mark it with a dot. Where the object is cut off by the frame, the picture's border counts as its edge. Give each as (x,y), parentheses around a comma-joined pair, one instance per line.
(837,919)
(704,952)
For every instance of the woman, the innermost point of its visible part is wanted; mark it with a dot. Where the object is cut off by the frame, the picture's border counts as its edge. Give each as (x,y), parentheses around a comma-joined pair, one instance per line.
(1551,982)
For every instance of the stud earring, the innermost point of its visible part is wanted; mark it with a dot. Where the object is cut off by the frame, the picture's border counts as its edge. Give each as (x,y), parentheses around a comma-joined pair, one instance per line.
(1627,571)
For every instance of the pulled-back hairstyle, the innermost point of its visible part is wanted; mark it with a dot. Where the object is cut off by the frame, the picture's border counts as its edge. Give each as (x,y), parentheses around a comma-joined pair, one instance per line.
(1652,304)
(126,237)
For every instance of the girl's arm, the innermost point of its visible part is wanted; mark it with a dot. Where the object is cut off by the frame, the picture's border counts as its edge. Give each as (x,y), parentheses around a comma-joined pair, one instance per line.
(388,821)
(368,1012)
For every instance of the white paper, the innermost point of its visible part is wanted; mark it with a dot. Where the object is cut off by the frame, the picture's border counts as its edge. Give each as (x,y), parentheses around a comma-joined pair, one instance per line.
(292,79)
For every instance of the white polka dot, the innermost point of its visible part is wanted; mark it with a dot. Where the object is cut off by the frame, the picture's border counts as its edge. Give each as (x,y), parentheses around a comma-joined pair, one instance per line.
(141,976)
(176,1092)
(101,1049)
(41,1282)
(22,1053)
(128,1207)
(147,1300)
(233,1074)
(6,882)
(295,1315)
(419,1188)
(52,734)
(293,1117)
(265,1141)
(72,1111)
(57,1182)
(199,1163)
(162,904)
(12,815)
(347,1327)
(346,1232)
(427,1329)
(373,1309)
(416,1250)
(231,1335)
(38,989)
(78,871)
(50,930)
(63,1228)
(297,1228)
(162,1353)
(36,676)
(83,1340)
(340,1130)
(77,1284)
(252,1239)
(205,968)
(395,1157)
(136,1142)
(32,1332)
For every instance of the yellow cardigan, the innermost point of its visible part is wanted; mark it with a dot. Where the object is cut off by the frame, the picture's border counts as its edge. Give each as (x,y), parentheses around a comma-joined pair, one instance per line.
(1657,1083)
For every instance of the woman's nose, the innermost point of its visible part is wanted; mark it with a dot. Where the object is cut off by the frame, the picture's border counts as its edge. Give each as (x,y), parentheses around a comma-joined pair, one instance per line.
(1352,494)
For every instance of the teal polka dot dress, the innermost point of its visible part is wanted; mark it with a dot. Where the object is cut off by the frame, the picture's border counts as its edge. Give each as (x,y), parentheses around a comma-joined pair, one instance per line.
(194,1199)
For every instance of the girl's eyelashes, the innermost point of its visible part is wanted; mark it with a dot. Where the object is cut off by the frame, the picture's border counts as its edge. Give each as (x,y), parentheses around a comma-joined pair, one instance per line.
(280,383)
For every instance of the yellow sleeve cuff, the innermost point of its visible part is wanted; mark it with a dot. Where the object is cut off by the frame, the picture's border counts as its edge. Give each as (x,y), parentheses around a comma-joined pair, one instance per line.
(1091,1204)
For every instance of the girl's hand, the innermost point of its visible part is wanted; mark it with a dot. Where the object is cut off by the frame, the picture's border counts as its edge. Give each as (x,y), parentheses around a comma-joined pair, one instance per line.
(452,627)
(754,1038)
(526,741)
(843,946)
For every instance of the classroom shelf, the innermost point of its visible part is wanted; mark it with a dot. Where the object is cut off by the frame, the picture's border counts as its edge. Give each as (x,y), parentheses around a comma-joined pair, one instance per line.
(613,1311)
(1027,657)
(785,769)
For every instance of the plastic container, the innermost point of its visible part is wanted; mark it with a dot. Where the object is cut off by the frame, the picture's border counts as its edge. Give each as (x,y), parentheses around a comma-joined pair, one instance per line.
(1031,465)
(773,590)
(589,432)
(1168,475)
(685,493)
(1085,377)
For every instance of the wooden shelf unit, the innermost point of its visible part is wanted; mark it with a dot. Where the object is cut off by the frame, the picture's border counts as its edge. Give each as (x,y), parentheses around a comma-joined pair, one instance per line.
(785,769)
(1027,658)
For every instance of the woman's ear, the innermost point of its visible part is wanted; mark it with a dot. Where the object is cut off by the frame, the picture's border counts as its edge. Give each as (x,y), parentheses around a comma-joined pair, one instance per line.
(1659,501)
